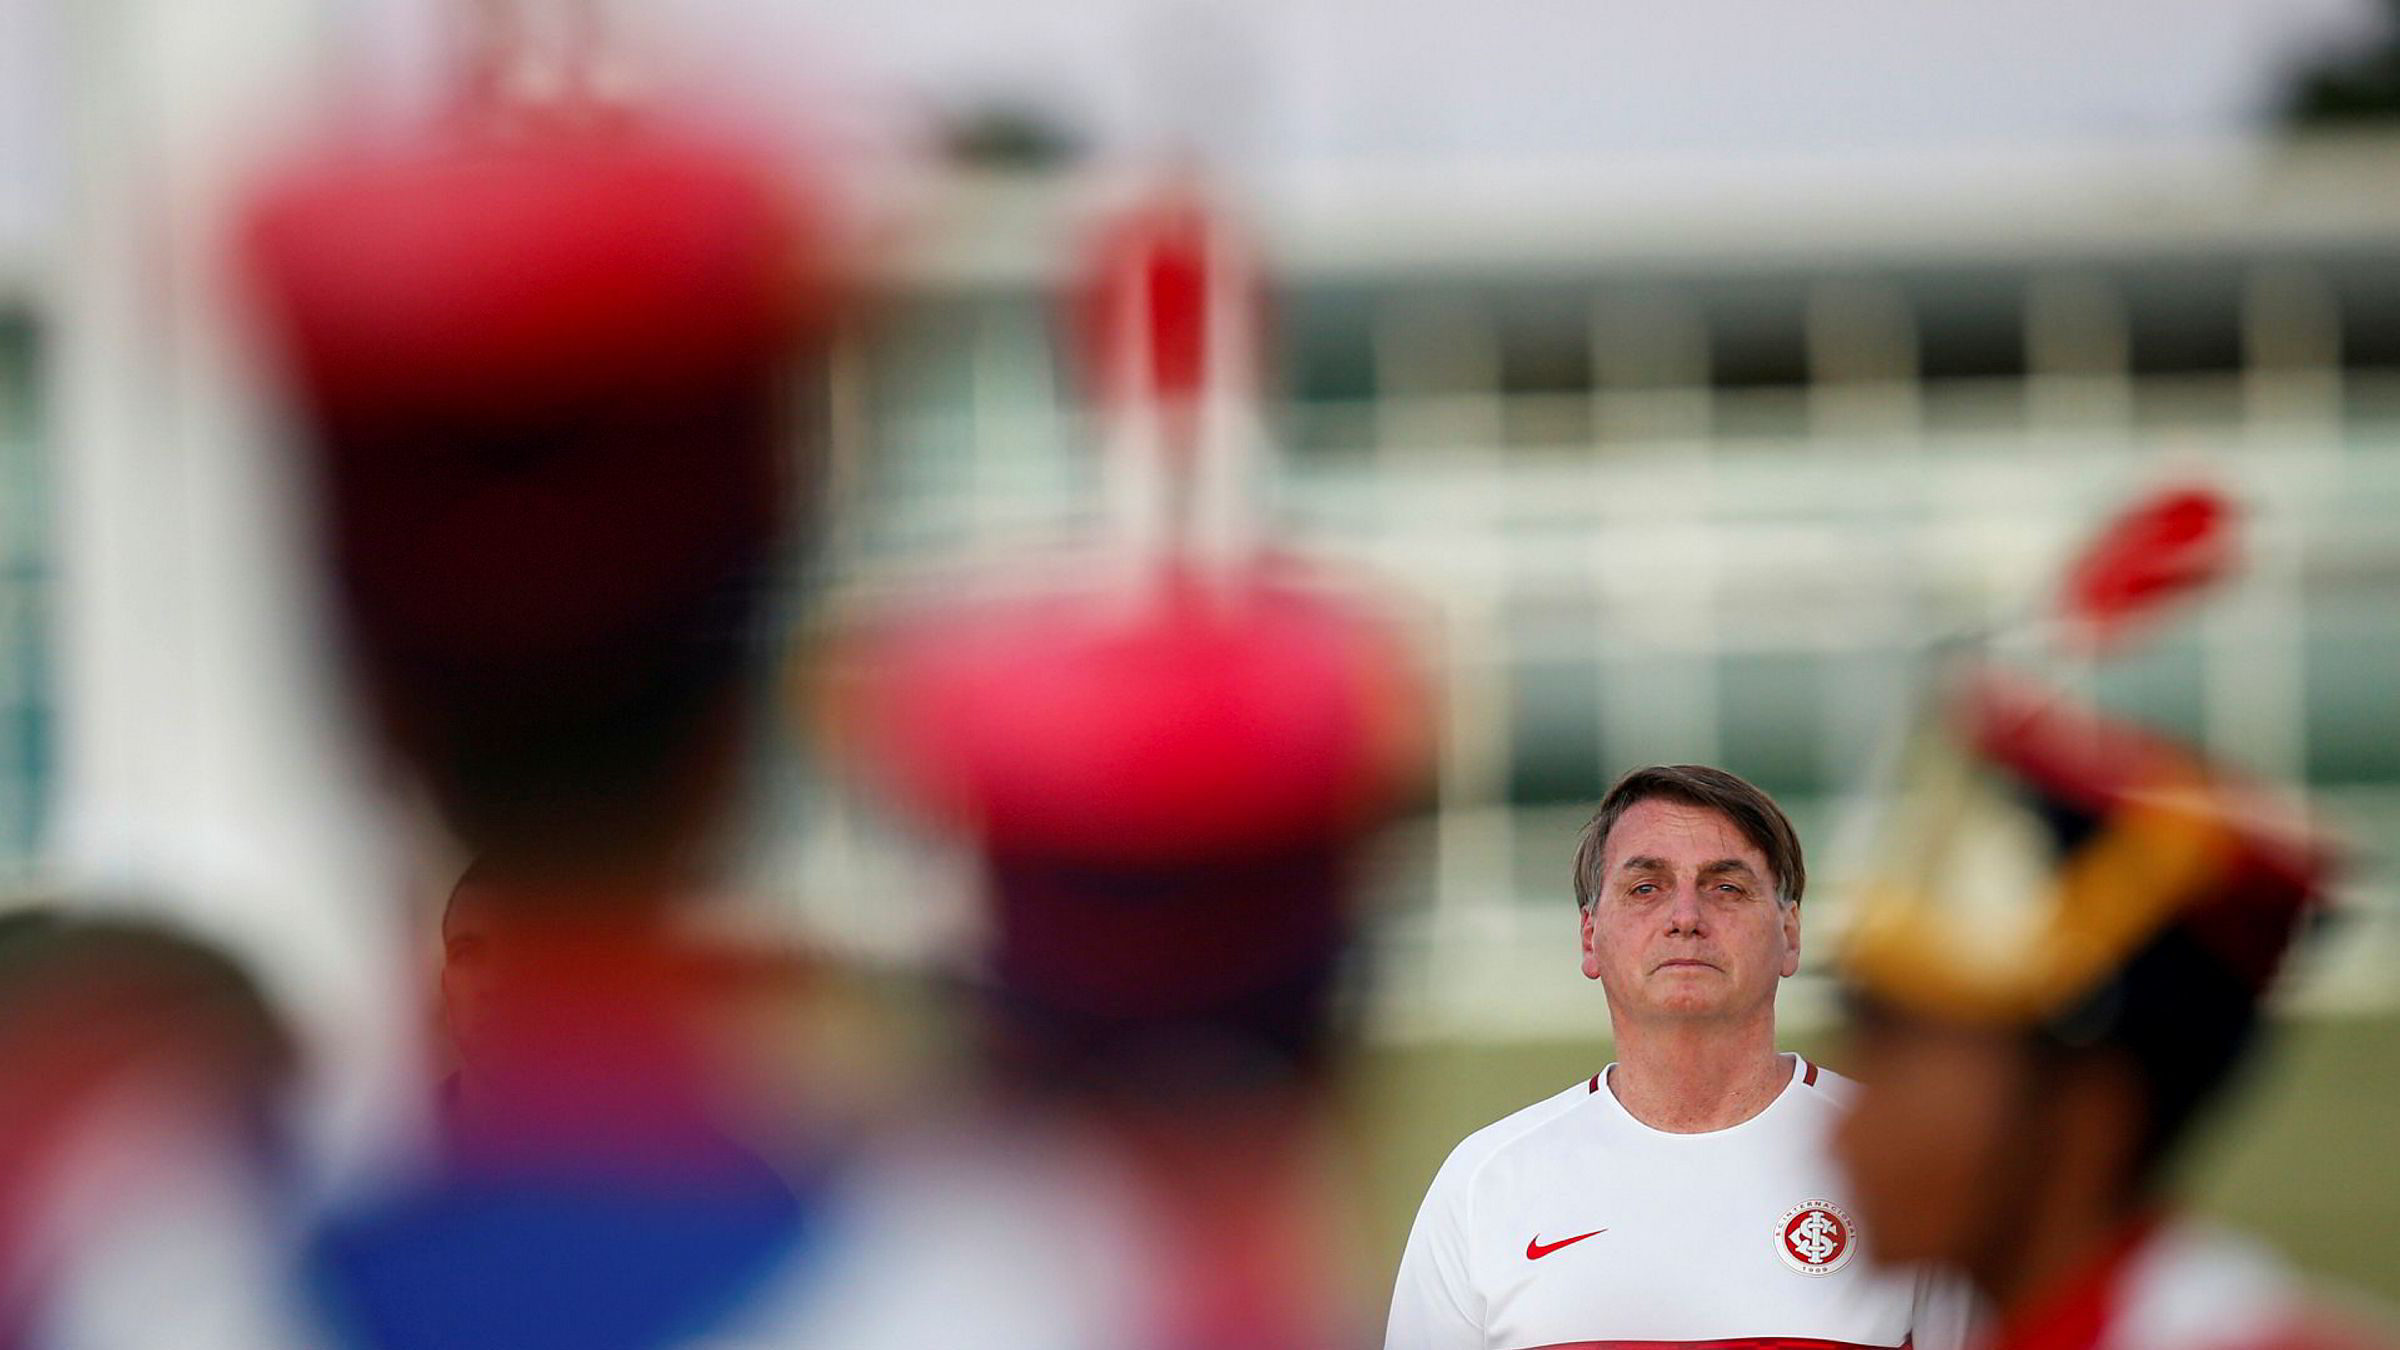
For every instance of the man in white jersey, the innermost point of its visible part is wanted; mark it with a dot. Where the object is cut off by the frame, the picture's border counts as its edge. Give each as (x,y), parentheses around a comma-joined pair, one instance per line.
(1681,1196)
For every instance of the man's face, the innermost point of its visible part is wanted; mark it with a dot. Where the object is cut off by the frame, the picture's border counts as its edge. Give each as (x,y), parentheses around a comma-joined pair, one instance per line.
(1937,1112)
(468,973)
(1685,923)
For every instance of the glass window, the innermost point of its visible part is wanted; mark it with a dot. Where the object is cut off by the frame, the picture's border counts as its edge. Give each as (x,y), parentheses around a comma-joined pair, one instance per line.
(1554,750)
(25,704)
(1771,707)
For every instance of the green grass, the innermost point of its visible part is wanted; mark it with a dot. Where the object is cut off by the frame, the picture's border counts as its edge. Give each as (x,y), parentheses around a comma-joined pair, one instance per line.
(2307,1156)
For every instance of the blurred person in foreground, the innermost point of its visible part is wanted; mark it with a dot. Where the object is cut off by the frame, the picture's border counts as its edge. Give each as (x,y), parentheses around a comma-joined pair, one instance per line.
(142,1112)
(1682,1194)
(2058,969)
(543,361)
(1167,750)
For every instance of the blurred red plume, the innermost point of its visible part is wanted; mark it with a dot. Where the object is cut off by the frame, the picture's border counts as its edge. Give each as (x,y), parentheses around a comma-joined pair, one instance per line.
(2165,547)
(1157,278)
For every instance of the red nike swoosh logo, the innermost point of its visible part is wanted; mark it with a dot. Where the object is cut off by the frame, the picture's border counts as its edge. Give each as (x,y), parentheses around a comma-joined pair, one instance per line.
(1536,1249)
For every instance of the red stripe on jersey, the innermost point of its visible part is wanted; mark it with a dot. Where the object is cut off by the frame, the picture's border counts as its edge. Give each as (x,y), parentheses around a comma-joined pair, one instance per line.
(1809,1078)
(1731,1343)
(1595,1082)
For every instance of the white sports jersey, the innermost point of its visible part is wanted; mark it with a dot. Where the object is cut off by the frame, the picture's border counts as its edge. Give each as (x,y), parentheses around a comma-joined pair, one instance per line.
(1571,1224)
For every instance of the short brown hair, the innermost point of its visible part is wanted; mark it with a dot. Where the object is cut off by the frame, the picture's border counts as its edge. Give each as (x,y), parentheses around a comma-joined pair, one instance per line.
(1752,812)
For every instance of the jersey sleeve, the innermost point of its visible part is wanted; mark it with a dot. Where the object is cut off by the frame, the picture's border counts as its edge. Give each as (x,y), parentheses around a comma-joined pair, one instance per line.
(1435,1305)
(1946,1313)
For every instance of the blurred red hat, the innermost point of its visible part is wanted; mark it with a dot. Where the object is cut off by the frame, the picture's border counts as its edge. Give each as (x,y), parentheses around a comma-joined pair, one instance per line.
(543,376)
(1217,721)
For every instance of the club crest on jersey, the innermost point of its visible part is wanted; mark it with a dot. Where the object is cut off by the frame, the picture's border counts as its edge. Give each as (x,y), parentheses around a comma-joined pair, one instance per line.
(1814,1237)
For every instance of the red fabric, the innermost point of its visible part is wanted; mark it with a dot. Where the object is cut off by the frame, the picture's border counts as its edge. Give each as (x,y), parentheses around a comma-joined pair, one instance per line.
(2079,1313)
(2063,749)
(543,375)
(2076,1313)
(1730,1343)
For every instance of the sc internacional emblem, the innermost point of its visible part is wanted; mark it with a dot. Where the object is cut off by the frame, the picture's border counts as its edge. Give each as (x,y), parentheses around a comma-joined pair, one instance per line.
(1815,1237)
